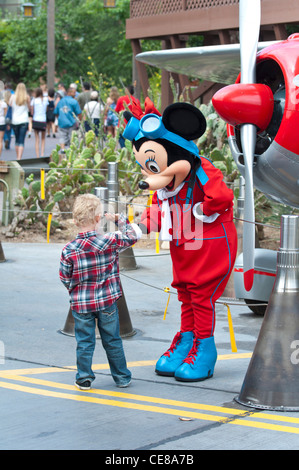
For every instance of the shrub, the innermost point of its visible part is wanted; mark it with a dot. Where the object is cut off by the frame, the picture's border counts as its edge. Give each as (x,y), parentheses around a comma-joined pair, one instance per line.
(82,168)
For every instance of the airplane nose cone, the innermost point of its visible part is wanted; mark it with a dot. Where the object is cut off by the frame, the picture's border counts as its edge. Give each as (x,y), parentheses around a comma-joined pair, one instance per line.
(251,103)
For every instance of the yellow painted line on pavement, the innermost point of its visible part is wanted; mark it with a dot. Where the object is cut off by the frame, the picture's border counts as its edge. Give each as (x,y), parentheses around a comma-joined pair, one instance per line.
(130,396)
(46,370)
(90,398)
(161,401)
(120,404)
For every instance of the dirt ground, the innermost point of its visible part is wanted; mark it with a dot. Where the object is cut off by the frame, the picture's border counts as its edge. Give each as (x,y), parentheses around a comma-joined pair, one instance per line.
(66,233)
(269,239)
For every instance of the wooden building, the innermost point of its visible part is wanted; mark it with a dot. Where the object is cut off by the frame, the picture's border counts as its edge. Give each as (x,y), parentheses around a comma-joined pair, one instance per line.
(172,21)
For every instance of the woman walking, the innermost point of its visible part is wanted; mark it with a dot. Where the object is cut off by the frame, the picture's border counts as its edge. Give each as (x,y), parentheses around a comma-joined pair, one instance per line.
(39,106)
(3,111)
(111,118)
(20,103)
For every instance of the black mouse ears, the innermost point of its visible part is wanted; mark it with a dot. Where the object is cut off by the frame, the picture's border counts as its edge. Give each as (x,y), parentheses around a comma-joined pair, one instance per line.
(182,119)
(185,120)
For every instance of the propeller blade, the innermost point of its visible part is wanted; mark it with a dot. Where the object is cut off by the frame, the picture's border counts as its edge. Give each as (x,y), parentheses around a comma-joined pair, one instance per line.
(250,17)
(248,138)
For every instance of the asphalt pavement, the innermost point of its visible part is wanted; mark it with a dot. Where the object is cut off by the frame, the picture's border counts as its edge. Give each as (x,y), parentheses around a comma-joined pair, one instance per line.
(41,409)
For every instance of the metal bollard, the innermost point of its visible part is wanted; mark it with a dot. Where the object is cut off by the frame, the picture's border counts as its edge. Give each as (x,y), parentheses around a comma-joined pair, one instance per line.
(2,257)
(102,194)
(272,379)
(112,185)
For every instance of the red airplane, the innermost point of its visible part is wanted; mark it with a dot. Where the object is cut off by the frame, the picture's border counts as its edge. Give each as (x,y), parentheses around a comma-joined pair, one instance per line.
(261,110)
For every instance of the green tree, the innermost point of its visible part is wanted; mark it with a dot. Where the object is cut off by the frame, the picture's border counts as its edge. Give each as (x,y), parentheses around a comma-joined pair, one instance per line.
(83,28)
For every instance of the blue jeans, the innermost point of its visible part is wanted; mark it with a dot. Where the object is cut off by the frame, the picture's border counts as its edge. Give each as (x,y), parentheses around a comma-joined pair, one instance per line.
(108,324)
(20,133)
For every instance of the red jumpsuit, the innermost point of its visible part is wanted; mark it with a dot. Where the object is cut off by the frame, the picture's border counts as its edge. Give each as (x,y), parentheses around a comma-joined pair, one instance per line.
(203,253)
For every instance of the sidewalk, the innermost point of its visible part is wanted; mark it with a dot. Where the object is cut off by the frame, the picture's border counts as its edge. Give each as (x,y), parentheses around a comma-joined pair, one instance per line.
(29,148)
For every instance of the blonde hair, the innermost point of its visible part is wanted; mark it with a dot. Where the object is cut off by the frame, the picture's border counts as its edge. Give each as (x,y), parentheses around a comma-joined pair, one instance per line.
(114,95)
(7,95)
(86,208)
(21,95)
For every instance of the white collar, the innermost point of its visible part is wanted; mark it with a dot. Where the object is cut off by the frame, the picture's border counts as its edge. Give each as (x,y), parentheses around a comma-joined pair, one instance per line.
(165,194)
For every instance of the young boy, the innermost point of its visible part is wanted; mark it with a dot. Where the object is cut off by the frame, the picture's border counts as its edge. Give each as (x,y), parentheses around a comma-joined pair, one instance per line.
(89,269)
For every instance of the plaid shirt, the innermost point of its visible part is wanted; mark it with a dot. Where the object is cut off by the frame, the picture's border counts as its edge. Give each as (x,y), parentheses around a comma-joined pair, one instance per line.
(89,266)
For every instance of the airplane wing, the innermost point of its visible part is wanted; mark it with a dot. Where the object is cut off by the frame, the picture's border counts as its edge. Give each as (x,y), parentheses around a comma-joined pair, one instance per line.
(220,64)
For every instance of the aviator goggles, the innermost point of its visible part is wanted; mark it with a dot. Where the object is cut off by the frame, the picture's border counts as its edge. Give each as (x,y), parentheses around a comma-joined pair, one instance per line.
(152,127)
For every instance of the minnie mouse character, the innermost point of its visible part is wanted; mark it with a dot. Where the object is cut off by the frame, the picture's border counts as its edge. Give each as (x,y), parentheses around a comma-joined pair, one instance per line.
(192,208)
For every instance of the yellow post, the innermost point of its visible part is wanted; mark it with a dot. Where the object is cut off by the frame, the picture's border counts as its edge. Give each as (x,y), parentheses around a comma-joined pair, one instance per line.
(42,183)
(231,329)
(130,214)
(157,244)
(49,226)
(167,290)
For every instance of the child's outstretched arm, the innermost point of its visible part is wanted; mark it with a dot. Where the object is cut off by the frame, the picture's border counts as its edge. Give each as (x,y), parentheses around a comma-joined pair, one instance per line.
(128,234)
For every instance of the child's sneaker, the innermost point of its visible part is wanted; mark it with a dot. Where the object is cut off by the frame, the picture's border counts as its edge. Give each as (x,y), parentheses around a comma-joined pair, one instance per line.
(124,385)
(84,385)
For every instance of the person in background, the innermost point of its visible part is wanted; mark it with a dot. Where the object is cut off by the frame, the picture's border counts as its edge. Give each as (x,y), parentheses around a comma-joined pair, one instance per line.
(8,117)
(50,113)
(39,106)
(61,91)
(66,110)
(75,86)
(8,131)
(44,90)
(20,103)
(111,118)
(3,111)
(92,113)
(127,98)
(84,97)
(31,95)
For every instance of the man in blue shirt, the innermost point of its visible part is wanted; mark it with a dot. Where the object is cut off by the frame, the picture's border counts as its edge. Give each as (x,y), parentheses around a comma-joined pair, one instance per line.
(67,110)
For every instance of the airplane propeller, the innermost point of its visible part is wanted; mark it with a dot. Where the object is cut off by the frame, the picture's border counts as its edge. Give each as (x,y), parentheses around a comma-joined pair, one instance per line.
(248,105)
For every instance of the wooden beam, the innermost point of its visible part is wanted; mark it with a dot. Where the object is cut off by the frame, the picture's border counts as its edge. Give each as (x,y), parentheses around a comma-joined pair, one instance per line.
(280,32)
(183,80)
(140,67)
(202,20)
(166,92)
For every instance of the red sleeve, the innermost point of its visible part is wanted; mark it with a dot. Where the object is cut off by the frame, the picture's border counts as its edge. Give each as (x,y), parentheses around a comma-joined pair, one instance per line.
(217,196)
(151,216)
(128,100)
(119,104)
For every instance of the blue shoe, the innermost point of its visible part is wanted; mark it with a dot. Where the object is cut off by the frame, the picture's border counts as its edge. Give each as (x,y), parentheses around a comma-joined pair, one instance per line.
(174,356)
(200,363)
